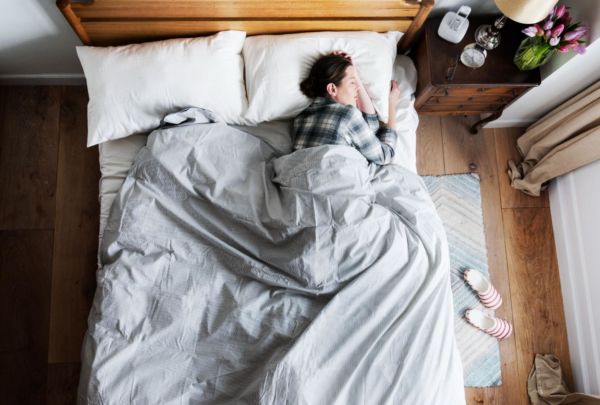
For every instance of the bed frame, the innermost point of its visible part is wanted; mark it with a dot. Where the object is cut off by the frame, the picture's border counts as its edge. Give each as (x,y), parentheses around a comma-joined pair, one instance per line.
(117,22)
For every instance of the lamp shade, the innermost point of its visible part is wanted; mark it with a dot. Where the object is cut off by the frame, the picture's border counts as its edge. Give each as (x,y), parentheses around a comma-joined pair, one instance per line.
(526,11)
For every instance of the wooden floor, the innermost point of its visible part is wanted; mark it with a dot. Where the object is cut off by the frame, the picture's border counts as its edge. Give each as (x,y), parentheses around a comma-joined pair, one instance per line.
(49,225)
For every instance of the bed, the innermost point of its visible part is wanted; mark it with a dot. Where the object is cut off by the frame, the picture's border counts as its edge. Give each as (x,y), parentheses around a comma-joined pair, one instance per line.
(250,274)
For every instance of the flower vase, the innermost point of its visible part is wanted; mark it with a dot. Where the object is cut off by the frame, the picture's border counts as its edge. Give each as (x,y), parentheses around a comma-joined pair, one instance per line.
(532,53)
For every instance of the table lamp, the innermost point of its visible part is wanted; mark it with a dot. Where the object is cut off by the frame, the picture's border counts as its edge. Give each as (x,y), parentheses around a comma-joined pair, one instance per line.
(522,11)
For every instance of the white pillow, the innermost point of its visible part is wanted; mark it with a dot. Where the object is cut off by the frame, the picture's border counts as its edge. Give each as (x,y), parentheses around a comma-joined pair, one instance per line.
(276,64)
(407,119)
(132,87)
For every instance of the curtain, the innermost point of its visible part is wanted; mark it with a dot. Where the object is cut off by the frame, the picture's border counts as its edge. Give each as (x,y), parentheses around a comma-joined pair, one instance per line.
(566,138)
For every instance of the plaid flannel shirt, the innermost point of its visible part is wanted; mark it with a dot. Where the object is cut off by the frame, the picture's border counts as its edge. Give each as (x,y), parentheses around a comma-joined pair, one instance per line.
(326,122)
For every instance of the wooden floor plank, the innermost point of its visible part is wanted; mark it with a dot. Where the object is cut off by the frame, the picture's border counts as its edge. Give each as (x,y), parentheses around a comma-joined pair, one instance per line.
(25,273)
(464,152)
(506,149)
(28,156)
(430,152)
(63,379)
(76,232)
(538,317)
(461,148)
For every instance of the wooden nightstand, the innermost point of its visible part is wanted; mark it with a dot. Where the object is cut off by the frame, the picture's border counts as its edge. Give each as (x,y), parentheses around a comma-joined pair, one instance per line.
(445,90)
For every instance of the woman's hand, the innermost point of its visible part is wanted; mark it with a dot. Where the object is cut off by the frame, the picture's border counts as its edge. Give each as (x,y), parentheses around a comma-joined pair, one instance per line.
(393,103)
(349,59)
(394,93)
(343,55)
(347,56)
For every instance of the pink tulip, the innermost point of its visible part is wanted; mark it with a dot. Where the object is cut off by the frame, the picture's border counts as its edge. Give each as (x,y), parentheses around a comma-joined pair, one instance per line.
(530,31)
(539,30)
(575,34)
(571,45)
(565,47)
(580,49)
(554,41)
(558,30)
(548,33)
(548,24)
(559,10)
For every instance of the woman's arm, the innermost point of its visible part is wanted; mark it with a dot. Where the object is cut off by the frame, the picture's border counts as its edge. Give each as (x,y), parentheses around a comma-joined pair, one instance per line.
(364,102)
(393,103)
(378,147)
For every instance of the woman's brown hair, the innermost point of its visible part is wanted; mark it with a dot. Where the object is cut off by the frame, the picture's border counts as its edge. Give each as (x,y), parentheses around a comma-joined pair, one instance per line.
(327,69)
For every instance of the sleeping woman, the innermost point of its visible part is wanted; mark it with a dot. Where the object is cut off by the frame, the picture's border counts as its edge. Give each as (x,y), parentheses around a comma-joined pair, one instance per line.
(342,112)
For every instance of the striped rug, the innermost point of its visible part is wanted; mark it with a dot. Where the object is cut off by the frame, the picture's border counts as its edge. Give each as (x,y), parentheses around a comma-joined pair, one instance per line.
(458,201)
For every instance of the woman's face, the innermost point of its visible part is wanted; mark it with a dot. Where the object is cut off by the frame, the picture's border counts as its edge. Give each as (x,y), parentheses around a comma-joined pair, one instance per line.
(347,92)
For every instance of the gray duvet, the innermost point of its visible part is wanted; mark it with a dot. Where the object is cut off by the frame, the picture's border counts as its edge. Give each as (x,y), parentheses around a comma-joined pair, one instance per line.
(233,275)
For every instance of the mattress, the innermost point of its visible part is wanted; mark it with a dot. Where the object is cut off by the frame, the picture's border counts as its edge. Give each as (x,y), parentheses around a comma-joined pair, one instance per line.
(116,157)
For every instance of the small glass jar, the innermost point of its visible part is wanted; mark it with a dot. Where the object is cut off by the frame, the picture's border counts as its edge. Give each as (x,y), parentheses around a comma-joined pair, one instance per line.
(533,52)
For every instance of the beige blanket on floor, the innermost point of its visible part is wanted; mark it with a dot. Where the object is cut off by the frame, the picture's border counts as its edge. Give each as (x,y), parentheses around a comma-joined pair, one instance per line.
(547,387)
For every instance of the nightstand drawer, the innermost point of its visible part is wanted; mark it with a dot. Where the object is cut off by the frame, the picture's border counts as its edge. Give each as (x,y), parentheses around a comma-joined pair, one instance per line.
(511,92)
(469,100)
(470,108)
(474,99)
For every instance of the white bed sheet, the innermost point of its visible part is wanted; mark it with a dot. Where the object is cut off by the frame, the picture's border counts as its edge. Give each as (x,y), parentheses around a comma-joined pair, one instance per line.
(117,156)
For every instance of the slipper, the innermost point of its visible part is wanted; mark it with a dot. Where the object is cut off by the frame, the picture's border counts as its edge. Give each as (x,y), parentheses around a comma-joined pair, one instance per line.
(498,328)
(488,295)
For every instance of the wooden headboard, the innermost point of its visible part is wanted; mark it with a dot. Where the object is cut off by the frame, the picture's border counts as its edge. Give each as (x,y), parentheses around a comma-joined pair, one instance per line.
(117,22)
